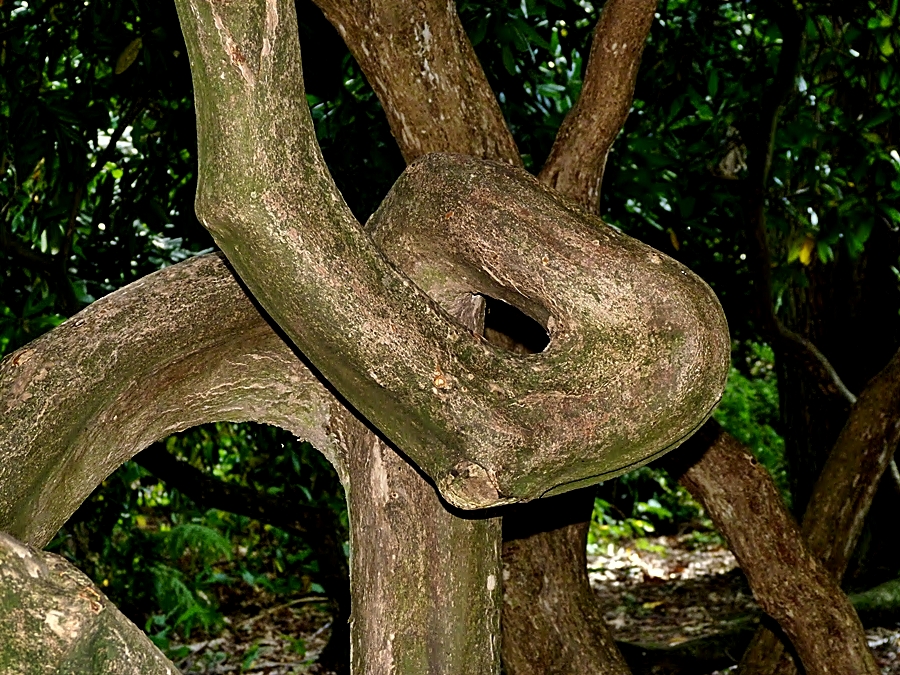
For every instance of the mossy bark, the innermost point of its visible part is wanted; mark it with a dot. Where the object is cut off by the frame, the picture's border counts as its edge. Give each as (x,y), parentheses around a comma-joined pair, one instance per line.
(187,346)
(53,619)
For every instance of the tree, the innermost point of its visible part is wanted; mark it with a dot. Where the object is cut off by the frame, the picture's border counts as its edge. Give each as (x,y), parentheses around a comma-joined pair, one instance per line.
(283,241)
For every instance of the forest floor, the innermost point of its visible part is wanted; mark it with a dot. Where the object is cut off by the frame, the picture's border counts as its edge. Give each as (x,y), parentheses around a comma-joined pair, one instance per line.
(662,591)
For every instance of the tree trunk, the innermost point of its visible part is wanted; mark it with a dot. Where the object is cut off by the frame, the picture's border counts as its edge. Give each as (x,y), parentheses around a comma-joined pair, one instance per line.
(425,582)
(789,583)
(555,605)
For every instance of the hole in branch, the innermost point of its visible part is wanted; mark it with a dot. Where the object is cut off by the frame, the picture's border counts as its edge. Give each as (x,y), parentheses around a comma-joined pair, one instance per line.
(513,330)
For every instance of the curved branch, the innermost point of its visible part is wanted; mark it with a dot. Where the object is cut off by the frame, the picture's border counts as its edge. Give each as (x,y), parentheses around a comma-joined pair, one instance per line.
(469,415)
(578,158)
(93,392)
(426,75)
(186,346)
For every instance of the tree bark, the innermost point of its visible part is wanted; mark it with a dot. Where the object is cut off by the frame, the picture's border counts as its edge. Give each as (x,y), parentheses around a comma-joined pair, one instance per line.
(425,578)
(787,581)
(838,507)
(578,157)
(424,71)
(431,386)
(546,554)
(53,619)
(161,355)
(154,358)
(552,622)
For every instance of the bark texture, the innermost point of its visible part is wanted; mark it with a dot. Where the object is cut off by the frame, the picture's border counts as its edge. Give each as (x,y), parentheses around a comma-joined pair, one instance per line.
(187,346)
(429,385)
(426,580)
(410,68)
(838,507)
(53,619)
(787,580)
(578,157)
(421,65)
(616,391)
(178,348)
(553,606)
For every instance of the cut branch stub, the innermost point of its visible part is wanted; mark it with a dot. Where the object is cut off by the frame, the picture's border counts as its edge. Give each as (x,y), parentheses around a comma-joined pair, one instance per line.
(639,346)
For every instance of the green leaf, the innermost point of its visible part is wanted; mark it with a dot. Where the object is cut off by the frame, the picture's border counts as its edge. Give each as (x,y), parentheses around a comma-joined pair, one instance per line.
(713,82)
(509,61)
(476,36)
(891,212)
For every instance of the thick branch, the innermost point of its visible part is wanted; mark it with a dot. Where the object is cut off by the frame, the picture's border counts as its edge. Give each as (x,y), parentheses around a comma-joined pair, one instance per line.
(428,384)
(104,385)
(787,580)
(426,75)
(842,496)
(549,607)
(578,158)
(186,346)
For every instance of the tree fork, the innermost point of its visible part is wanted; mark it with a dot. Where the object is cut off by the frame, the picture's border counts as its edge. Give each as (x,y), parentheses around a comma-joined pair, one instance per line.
(787,580)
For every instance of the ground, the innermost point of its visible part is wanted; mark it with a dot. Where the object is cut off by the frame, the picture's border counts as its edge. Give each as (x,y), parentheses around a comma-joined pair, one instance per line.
(665,591)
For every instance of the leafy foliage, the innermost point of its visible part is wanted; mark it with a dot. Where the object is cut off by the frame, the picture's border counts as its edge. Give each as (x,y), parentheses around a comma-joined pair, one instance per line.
(175,568)
(749,411)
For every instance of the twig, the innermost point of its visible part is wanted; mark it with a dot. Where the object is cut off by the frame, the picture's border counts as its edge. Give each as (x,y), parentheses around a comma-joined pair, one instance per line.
(245,625)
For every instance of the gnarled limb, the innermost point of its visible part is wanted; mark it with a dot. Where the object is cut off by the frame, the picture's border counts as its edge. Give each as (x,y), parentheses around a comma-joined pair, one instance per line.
(789,583)
(421,65)
(469,415)
(578,158)
(187,346)
(158,356)
(538,554)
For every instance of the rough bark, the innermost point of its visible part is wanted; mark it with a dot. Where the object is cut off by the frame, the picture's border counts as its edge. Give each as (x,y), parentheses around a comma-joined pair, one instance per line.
(578,157)
(788,582)
(53,619)
(537,556)
(187,346)
(426,580)
(552,622)
(421,65)
(409,68)
(838,506)
(178,348)
(432,387)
